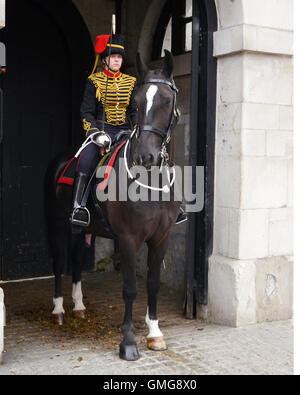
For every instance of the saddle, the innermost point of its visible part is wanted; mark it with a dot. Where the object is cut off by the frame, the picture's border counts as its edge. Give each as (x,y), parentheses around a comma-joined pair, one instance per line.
(67,176)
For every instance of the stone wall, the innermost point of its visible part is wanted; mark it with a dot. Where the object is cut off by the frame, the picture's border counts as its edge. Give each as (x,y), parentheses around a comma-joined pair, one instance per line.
(97,15)
(2,24)
(2,13)
(250,272)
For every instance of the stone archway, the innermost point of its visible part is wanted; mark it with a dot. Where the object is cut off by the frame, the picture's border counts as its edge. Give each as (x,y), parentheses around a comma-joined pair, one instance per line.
(148,28)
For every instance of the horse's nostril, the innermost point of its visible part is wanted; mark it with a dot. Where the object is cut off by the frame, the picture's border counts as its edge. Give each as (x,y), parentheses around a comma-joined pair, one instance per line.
(144,160)
(148,160)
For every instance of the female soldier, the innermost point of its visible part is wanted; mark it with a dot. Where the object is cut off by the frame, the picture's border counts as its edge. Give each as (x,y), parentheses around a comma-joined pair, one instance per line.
(116,100)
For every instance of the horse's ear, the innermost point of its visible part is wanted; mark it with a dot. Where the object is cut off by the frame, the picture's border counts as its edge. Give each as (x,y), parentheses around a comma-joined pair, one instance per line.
(141,67)
(168,64)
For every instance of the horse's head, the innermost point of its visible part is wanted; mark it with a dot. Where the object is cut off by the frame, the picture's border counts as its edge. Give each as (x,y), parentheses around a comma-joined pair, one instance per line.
(157,114)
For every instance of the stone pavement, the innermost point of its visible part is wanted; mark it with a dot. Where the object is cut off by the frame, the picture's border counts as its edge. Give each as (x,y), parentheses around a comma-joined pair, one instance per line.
(35,346)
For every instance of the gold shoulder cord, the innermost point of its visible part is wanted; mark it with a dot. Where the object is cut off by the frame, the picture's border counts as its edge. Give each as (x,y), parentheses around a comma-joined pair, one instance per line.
(95,78)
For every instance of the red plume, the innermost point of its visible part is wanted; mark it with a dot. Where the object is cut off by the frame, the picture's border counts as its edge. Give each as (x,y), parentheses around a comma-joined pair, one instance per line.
(101,43)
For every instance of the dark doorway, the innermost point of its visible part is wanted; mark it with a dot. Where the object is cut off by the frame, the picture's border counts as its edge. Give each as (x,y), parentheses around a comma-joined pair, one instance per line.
(202,151)
(173,30)
(48,57)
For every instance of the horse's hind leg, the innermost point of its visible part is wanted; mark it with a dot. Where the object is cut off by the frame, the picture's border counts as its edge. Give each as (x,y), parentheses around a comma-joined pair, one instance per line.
(78,258)
(155,338)
(128,348)
(59,251)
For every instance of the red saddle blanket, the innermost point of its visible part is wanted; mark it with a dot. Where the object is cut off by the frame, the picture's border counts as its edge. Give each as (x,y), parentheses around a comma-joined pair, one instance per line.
(68,174)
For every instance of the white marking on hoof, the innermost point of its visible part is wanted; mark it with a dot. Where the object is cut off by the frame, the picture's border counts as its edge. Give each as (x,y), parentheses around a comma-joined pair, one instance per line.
(58,305)
(150,96)
(154,330)
(77,296)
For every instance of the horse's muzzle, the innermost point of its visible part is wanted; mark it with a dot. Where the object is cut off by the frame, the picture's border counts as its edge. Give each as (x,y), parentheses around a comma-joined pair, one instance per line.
(146,160)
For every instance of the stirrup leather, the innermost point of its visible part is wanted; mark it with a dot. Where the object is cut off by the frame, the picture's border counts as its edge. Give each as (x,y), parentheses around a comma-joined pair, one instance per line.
(80,221)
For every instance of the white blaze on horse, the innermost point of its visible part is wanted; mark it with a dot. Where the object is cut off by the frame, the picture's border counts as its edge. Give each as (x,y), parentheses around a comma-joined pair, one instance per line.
(132,223)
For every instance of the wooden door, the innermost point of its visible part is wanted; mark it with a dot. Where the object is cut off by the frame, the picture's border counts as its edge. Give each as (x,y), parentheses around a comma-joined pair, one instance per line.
(36,126)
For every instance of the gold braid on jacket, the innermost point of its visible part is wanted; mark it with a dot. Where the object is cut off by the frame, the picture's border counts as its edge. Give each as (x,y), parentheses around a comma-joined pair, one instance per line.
(119,91)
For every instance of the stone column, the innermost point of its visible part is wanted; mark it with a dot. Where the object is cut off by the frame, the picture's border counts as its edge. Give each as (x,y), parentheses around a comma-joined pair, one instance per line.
(2,24)
(2,13)
(250,271)
(2,323)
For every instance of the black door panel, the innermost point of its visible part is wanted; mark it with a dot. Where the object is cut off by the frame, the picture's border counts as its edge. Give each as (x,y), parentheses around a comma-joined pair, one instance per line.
(40,120)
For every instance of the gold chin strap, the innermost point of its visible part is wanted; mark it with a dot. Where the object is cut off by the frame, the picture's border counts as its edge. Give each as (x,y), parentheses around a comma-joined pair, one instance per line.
(96,63)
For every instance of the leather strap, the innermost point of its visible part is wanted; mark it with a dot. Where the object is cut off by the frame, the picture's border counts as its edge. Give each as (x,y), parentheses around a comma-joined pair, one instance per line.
(149,128)
(159,81)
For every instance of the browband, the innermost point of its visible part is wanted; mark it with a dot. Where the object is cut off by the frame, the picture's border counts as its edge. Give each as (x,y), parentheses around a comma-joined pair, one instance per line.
(159,81)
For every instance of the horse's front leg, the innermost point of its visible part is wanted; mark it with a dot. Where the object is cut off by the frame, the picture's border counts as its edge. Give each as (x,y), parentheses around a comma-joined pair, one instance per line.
(156,253)
(128,349)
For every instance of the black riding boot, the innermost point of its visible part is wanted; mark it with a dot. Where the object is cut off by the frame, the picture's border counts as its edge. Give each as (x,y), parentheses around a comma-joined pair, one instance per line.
(80,216)
(181,217)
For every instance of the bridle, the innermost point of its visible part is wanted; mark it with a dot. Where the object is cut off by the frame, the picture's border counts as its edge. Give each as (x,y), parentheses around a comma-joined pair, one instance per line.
(164,134)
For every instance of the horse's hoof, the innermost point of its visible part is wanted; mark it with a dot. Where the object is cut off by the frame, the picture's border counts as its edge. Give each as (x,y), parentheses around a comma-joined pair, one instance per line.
(156,343)
(79,314)
(129,352)
(58,319)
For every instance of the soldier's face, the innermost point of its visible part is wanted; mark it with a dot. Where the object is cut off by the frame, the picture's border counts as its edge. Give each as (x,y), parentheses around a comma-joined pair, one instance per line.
(115,62)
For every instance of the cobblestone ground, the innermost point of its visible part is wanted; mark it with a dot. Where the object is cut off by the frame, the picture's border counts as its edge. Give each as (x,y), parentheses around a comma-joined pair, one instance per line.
(34,345)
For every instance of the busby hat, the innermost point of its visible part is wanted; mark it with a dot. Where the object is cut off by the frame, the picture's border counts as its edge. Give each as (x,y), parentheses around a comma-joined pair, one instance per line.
(106,44)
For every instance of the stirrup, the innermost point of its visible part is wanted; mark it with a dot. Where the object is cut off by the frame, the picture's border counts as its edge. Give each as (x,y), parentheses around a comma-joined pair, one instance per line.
(80,221)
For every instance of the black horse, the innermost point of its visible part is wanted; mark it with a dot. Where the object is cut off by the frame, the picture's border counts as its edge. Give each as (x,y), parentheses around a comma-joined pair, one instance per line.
(132,223)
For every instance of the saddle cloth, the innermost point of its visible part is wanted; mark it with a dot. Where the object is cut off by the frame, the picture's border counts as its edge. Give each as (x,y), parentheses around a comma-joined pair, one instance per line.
(68,174)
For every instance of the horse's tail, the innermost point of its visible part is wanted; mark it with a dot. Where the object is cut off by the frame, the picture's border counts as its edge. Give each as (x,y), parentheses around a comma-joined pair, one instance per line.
(56,205)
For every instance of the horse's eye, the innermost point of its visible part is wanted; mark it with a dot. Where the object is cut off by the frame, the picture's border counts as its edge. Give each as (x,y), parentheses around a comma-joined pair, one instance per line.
(168,101)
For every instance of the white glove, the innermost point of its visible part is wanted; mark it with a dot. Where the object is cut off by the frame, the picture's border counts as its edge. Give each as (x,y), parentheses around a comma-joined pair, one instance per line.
(101,139)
